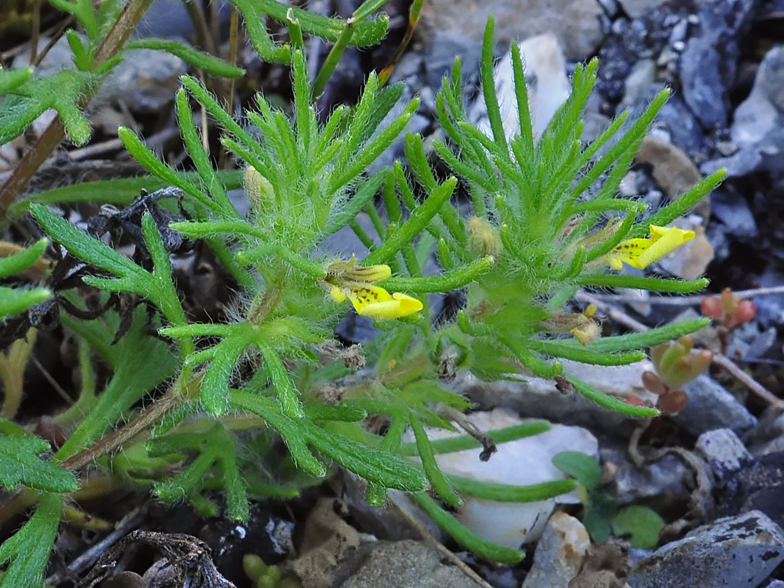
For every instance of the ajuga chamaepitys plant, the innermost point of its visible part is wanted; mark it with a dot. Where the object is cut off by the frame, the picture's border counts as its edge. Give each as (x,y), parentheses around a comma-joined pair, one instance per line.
(545,222)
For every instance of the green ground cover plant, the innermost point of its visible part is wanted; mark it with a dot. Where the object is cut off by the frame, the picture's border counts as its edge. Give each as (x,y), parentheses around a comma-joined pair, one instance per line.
(545,222)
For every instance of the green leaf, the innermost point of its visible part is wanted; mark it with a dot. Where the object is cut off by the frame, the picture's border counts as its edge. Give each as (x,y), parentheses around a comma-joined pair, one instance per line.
(639,524)
(120,192)
(14,301)
(218,447)
(445,282)
(466,538)
(143,362)
(86,247)
(20,464)
(596,525)
(10,80)
(369,32)
(349,210)
(464,442)
(611,402)
(215,387)
(582,355)
(155,166)
(29,549)
(507,493)
(643,283)
(414,225)
(61,91)
(372,464)
(14,264)
(429,464)
(83,10)
(581,466)
(205,61)
(647,338)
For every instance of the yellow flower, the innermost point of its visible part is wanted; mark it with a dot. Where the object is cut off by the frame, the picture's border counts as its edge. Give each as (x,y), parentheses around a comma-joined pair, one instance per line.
(640,253)
(348,280)
(375,302)
(585,326)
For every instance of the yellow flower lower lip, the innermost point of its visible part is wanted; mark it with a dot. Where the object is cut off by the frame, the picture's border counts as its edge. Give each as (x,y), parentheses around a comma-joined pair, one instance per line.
(640,253)
(348,280)
(375,302)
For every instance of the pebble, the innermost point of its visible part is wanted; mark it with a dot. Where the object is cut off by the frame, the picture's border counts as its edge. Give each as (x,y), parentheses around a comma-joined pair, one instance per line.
(732,552)
(559,553)
(402,564)
(712,407)
(724,452)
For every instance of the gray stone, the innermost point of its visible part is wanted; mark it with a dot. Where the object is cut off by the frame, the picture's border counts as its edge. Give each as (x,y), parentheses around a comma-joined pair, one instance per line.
(761,344)
(639,8)
(732,209)
(770,309)
(732,552)
(775,584)
(685,131)
(703,89)
(758,123)
(770,77)
(145,81)
(712,407)
(741,163)
(403,564)
(659,484)
(559,553)
(443,47)
(724,452)
(574,22)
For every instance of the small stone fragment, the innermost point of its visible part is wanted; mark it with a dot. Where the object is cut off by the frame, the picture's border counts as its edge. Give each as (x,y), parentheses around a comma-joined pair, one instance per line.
(605,567)
(724,452)
(559,553)
(328,540)
(403,564)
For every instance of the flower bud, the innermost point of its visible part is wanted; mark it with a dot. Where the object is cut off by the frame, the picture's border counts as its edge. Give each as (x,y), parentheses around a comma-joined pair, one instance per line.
(653,383)
(259,190)
(484,238)
(671,403)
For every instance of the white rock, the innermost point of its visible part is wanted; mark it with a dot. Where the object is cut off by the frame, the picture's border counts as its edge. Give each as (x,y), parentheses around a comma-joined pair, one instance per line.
(522,462)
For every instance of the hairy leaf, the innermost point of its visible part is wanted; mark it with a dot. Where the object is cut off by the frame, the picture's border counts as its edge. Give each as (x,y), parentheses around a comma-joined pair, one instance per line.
(20,464)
